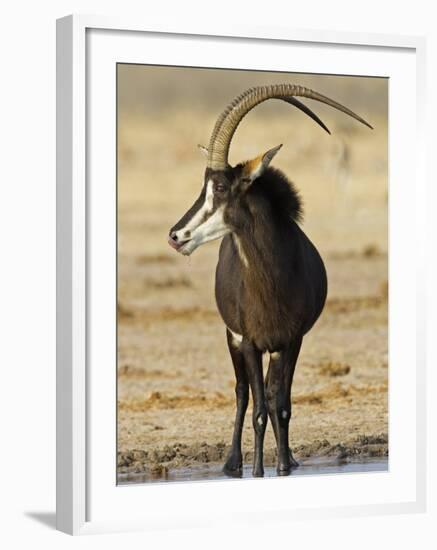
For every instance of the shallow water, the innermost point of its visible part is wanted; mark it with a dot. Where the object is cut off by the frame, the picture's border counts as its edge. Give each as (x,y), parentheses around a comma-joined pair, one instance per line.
(309,466)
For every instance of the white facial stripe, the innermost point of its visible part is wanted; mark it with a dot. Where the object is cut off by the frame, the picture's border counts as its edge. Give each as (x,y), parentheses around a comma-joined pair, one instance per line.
(213,228)
(204,210)
(209,196)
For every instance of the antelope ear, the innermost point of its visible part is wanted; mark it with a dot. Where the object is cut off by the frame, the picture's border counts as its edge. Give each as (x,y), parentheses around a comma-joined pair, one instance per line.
(254,168)
(204,150)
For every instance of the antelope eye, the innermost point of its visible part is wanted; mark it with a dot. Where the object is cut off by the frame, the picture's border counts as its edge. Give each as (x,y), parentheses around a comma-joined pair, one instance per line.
(219,188)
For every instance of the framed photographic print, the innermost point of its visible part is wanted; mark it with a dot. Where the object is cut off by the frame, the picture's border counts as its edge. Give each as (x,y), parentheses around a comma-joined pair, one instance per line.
(239,327)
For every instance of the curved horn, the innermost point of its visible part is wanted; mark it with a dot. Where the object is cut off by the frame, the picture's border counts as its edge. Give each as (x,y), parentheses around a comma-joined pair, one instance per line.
(231,117)
(306,110)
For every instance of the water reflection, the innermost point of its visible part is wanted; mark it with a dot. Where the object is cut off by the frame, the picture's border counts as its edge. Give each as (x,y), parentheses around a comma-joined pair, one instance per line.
(310,466)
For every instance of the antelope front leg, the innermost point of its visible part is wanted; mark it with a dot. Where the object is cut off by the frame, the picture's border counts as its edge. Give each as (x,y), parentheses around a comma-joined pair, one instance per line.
(278,393)
(279,408)
(253,362)
(272,415)
(234,462)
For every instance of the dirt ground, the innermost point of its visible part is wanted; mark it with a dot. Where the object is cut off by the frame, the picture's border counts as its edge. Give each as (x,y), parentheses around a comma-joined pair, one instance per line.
(175,377)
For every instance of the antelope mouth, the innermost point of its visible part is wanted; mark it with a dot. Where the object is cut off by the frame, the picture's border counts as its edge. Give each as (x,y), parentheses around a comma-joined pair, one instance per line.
(178,245)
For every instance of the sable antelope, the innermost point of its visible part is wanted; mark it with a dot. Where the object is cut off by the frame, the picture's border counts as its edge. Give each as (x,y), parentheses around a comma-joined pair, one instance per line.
(270,282)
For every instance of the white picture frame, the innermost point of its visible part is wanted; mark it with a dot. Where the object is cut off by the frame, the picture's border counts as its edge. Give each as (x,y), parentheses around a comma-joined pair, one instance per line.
(87,497)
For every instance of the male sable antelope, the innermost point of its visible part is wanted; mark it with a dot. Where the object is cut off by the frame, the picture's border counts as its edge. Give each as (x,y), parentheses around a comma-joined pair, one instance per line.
(270,283)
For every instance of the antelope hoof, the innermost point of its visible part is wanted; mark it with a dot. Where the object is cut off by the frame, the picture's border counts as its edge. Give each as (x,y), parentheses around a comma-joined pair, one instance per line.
(258,471)
(283,470)
(284,465)
(233,466)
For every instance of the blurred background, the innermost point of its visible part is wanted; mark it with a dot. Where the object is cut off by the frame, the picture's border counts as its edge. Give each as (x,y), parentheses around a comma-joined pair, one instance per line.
(175,378)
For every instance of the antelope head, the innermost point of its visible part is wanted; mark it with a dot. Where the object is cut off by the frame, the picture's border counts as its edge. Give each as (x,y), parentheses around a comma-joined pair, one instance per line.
(213,213)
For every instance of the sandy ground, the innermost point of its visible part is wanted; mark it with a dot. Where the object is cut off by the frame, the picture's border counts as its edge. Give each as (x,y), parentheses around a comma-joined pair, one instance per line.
(175,377)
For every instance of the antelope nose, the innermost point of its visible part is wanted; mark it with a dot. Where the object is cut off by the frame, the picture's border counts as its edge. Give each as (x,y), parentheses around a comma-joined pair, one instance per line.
(173,240)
